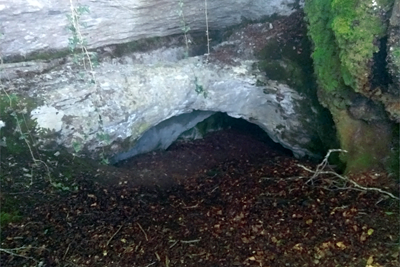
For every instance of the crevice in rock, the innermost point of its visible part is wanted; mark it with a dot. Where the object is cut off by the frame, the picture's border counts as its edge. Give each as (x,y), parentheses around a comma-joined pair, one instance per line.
(379,75)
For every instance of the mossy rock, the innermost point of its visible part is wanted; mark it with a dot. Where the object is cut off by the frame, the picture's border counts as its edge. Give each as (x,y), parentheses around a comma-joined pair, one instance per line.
(346,35)
(367,145)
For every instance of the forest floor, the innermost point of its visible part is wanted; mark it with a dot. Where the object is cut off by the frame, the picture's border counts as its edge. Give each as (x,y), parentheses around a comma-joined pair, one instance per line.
(229,199)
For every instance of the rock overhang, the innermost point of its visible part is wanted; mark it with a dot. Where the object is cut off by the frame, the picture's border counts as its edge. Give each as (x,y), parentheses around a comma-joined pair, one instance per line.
(131,99)
(133,94)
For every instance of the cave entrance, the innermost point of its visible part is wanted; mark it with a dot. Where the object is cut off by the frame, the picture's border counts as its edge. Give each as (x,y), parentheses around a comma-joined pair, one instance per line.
(215,137)
(221,121)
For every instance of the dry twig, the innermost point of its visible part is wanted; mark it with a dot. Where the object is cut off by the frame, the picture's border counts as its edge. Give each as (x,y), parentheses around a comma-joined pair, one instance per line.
(320,170)
(109,240)
(145,235)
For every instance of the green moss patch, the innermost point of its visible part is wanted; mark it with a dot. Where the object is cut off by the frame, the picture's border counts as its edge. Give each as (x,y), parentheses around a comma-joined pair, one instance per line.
(326,53)
(356,27)
(9,210)
(345,34)
(6,218)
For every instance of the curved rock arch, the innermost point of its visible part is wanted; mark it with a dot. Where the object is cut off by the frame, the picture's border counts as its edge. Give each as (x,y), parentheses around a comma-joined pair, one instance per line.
(131,98)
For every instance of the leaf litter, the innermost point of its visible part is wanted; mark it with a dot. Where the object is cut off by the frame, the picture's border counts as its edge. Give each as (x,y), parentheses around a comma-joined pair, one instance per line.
(229,199)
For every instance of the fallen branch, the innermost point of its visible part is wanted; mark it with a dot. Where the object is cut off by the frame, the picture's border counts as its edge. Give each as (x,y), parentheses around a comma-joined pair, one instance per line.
(190,241)
(320,170)
(322,165)
(10,251)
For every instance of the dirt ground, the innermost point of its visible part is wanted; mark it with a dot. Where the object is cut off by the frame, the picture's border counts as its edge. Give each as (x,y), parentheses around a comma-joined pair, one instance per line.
(230,199)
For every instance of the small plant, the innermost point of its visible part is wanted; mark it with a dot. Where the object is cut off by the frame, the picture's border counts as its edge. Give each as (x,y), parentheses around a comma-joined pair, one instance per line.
(185,28)
(199,88)
(17,109)
(77,146)
(74,20)
(61,186)
(207,32)
(7,217)
(89,61)
(76,43)
(105,139)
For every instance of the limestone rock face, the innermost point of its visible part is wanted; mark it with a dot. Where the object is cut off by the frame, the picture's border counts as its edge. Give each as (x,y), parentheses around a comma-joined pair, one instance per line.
(42,25)
(144,100)
(129,99)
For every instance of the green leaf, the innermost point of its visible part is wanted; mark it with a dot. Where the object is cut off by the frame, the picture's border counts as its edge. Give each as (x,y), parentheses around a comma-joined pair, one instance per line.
(370,231)
(77,146)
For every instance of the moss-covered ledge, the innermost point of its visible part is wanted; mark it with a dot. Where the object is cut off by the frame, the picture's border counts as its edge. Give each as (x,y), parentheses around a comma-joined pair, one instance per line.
(347,37)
